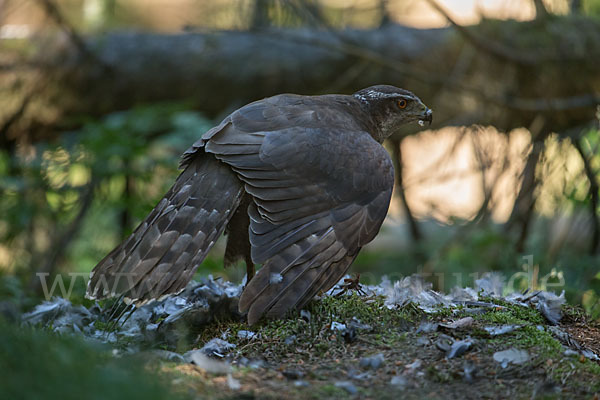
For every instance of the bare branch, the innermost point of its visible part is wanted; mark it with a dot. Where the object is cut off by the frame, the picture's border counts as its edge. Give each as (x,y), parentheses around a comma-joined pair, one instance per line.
(5,142)
(593,193)
(575,6)
(63,240)
(554,104)
(487,185)
(203,67)
(541,12)
(494,48)
(513,103)
(53,12)
(523,207)
(397,157)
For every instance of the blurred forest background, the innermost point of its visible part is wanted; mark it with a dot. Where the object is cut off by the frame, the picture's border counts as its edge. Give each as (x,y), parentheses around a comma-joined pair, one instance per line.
(98,98)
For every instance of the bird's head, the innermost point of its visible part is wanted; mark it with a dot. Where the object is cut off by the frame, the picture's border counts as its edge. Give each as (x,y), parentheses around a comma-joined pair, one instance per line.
(390,107)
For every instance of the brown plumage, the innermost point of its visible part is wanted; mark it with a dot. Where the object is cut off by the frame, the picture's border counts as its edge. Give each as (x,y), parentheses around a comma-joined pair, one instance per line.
(298,183)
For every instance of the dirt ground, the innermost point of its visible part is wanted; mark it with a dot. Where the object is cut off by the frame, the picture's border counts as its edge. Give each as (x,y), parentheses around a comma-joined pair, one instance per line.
(354,347)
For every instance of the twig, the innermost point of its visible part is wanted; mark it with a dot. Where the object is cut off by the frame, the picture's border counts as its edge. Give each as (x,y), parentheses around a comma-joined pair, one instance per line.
(397,157)
(494,48)
(541,12)
(5,142)
(593,193)
(487,186)
(125,214)
(555,104)
(344,46)
(524,203)
(575,6)
(463,230)
(67,236)
(19,66)
(426,176)
(53,12)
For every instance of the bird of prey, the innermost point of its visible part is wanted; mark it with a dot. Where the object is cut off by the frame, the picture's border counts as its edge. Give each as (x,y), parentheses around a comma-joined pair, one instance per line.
(297,183)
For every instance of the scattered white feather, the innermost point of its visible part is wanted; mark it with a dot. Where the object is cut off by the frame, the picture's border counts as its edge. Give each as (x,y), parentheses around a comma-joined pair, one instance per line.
(491,283)
(246,334)
(233,383)
(337,326)
(511,356)
(275,278)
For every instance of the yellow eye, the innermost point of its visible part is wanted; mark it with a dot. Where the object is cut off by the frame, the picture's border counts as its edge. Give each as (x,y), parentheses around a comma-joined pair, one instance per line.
(402,103)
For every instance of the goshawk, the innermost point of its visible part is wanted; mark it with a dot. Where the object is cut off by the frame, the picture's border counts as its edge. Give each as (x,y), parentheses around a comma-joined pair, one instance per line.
(298,184)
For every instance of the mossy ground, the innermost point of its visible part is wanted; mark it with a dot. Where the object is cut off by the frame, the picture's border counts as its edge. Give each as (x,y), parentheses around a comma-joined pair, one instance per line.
(302,357)
(310,352)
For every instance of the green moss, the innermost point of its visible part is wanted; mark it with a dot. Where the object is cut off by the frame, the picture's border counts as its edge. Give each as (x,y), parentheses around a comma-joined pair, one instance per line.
(105,326)
(563,369)
(500,317)
(331,391)
(316,344)
(548,353)
(367,310)
(438,374)
(341,309)
(477,332)
(281,329)
(315,336)
(442,313)
(510,314)
(532,338)
(227,328)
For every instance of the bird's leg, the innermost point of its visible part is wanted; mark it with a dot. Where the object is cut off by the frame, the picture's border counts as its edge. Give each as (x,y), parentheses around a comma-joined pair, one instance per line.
(351,284)
(249,268)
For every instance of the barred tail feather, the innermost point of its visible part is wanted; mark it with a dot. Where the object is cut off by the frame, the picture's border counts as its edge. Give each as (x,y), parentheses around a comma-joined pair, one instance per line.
(162,254)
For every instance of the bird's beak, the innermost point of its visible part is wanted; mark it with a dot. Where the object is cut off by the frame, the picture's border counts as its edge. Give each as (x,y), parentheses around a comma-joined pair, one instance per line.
(427,116)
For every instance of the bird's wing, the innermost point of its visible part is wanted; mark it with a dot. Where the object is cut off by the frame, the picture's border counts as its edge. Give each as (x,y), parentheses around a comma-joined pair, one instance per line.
(162,254)
(320,191)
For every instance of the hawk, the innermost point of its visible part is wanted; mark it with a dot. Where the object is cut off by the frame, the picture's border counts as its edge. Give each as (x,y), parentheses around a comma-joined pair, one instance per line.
(297,183)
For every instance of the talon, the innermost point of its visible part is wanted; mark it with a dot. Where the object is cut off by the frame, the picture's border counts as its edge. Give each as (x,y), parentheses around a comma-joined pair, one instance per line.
(351,284)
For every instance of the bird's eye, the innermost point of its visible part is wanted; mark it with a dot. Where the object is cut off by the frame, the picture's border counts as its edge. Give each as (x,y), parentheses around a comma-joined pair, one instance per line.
(402,103)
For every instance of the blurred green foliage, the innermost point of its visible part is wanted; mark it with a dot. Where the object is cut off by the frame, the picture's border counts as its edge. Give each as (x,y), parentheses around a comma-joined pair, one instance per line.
(591,7)
(36,364)
(127,159)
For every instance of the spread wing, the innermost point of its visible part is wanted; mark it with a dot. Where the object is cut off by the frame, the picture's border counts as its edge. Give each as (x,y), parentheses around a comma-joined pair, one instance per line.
(162,254)
(321,187)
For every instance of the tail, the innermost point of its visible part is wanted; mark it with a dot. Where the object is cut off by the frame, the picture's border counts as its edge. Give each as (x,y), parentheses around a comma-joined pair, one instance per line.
(295,275)
(298,290)
(162,254)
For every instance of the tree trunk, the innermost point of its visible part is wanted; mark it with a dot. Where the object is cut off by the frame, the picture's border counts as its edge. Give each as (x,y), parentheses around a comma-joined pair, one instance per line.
(512,77)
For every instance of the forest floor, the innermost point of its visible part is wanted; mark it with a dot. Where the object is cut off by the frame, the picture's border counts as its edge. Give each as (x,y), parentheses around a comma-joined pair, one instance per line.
(383,344)
(355,347)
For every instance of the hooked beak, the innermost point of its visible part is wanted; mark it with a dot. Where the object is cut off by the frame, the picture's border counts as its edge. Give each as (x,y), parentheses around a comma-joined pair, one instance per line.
(427,116)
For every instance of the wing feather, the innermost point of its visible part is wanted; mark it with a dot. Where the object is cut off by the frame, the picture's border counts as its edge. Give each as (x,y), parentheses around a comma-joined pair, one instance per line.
(277,280)
(320,188)
(329,277)
(163,252)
